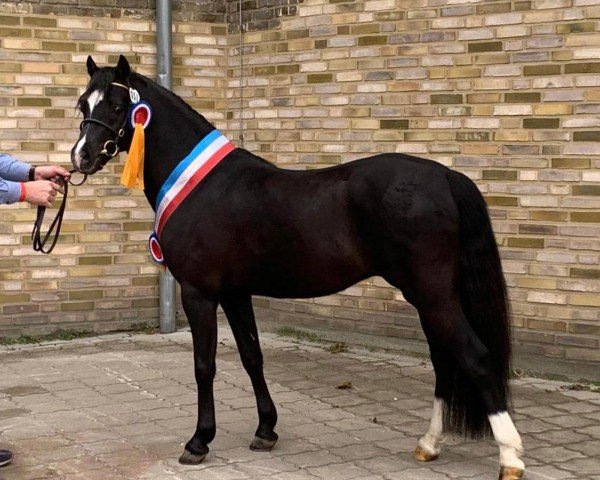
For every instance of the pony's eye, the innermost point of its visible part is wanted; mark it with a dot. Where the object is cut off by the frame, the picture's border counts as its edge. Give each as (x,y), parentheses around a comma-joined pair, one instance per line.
(119,109)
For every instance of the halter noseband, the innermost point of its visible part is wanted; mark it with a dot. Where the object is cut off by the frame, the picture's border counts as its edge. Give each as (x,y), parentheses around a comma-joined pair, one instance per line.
(111,147)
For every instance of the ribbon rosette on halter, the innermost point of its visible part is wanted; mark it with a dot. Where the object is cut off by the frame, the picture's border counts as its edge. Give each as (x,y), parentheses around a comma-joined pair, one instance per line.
(140,115)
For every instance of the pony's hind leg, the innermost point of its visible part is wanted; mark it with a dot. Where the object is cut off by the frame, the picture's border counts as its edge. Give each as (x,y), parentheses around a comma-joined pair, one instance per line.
(428,448)
(239,312)
(476,401)
(202,317)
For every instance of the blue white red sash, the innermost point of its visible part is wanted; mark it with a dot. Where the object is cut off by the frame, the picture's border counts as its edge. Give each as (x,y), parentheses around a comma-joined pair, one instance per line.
(187,174)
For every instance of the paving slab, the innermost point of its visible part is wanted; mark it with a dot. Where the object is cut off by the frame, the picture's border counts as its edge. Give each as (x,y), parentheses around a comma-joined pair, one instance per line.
(120,407)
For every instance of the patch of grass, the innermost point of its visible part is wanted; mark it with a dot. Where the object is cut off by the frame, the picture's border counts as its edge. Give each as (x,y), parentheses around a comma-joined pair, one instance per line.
(57,335)
(521,372)
(345,386)
(145,327)
(301,335)
(587,386)
(337,347)
(62,334)
(581,384)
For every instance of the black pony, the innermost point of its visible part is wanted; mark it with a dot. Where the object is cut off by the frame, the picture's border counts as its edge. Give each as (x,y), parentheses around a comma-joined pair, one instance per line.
(251,228)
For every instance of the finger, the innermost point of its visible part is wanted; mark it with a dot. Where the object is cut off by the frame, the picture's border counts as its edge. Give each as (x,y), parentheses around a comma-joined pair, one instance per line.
(63,172)
(52,194)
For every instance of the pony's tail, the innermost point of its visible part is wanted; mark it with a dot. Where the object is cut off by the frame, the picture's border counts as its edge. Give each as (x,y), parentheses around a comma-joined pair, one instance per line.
(484,302)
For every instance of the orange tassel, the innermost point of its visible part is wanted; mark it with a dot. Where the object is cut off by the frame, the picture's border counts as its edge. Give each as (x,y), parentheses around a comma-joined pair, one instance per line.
(134,165)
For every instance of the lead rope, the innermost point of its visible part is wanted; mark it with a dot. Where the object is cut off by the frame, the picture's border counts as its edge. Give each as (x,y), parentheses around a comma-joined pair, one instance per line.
(36,235)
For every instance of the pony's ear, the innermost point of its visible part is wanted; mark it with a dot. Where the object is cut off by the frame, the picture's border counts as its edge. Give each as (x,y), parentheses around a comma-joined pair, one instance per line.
(91,66)
(123,69)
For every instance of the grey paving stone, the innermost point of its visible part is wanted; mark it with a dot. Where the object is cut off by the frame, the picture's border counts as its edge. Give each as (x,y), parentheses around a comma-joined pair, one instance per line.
(339,472)
(122,407)
(558,453)
(548,471)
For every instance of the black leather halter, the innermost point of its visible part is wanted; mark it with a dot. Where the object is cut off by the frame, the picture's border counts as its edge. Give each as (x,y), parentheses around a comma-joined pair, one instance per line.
(111,147)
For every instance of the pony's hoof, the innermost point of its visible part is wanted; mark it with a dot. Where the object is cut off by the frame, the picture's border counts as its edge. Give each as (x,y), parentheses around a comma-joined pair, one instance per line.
(422,456)
(262,444)
(510,473)
(189,458)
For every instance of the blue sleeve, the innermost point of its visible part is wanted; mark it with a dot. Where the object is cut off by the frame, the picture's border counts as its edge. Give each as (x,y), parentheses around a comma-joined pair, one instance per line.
(12,169)
(9,191)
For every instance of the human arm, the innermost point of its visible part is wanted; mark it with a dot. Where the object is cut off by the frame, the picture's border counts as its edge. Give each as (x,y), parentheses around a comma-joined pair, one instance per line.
(41,190)
(13,170)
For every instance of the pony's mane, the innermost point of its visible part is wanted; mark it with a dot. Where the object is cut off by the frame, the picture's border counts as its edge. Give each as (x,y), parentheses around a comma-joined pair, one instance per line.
(148,82)
(106,75)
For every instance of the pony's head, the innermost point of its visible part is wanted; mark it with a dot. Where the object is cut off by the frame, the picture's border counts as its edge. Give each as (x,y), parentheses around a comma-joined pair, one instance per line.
(104,105)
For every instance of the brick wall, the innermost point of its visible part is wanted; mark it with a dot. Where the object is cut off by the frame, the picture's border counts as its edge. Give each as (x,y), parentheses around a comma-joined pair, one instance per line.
(182,10)
(98,277)
(506,92)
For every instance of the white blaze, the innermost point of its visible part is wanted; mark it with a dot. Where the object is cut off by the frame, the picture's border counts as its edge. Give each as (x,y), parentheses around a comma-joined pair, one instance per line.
(94,99)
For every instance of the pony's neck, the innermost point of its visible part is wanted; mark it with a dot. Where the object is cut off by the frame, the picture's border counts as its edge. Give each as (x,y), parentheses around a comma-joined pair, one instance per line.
(175,129)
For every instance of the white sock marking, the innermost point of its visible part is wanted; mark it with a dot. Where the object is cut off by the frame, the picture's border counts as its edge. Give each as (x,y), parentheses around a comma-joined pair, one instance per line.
(508,440)
(430,442)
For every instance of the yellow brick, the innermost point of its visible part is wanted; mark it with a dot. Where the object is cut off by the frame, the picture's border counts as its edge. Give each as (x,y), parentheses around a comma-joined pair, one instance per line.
(591,300)
(38,67)
(551,109)
(512,135)
(463,72)
(86,272)
(482,110)
(21,44)
(593,95)
(403,86)
(537,283)
(480,149)
(366,123)
(437,72)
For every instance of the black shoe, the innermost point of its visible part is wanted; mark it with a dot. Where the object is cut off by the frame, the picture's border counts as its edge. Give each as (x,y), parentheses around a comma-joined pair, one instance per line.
(5,457)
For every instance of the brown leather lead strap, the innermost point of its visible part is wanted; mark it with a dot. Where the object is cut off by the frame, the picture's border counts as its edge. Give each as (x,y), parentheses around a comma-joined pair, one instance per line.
(39,243)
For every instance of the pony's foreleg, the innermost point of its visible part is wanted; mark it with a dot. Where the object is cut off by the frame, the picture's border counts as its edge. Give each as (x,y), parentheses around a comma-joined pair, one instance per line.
(240,315)
(202,317)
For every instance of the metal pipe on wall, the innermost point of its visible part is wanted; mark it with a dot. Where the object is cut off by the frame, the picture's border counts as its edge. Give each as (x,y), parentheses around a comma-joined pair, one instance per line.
(167,284)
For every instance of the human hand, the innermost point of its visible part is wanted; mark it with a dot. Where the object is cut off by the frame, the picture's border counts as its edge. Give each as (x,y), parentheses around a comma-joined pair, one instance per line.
(41,192)
(51,172)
